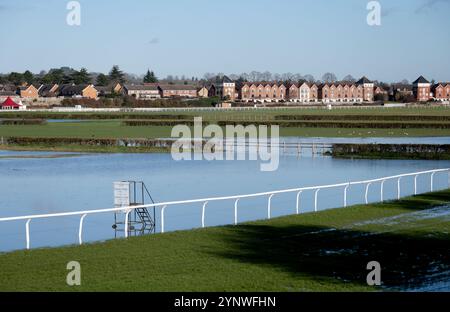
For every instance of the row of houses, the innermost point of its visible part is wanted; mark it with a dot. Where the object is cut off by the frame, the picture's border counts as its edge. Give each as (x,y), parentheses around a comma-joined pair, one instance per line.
(363,90)
(89,91)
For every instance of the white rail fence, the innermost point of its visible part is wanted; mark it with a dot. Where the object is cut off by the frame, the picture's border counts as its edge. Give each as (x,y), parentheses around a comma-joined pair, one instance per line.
(237,198)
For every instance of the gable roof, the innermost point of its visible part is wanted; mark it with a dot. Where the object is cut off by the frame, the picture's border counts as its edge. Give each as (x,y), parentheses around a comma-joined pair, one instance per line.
(72,89)
(152,87)
(363,80)
(178,87)
(421,79)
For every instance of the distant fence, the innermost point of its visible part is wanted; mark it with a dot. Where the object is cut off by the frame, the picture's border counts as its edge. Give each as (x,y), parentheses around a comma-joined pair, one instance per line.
(237,198)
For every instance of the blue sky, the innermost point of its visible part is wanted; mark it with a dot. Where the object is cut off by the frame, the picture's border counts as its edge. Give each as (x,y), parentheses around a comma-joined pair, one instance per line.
(191,37)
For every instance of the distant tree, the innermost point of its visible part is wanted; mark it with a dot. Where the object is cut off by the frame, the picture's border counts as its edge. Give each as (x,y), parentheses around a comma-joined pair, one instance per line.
(57,75)
(433,81)
(150,77)
(349,78)
(16,78)
(116,75)
(309,78)
(28,77)
(209,76)
(81,77)
(102,80)
(329,77)
(405,81)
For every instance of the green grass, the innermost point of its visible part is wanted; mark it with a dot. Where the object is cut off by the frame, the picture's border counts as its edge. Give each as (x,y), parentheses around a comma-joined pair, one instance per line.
(114,129)
(325,251)
(424,110)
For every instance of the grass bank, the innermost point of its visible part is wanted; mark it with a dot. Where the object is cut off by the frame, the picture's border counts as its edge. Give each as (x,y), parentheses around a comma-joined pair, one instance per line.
(325,251)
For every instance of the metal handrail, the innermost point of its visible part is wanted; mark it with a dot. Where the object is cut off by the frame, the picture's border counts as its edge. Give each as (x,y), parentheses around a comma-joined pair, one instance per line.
(205,201)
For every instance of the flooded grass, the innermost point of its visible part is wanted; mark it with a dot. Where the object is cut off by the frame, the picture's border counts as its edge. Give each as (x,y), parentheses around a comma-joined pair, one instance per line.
(325,251)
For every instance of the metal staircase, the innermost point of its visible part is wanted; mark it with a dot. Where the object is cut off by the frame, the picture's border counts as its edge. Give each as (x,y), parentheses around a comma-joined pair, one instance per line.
(141,221)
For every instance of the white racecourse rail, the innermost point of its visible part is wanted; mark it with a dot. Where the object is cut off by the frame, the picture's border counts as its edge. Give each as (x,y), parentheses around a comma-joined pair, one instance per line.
(236,199)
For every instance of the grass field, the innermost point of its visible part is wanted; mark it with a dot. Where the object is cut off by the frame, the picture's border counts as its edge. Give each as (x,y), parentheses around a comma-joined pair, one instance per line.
(326,251)
(419,111)
(114,129)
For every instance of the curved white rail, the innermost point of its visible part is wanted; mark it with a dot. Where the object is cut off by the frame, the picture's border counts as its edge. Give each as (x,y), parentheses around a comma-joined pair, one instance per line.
(237,198)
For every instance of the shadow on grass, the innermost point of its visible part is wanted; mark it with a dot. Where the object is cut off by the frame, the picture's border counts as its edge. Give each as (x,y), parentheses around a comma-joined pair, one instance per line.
(341,254)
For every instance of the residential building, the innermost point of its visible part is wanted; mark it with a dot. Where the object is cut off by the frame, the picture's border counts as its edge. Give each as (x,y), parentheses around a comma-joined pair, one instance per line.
(186,91)
(48,90)
(79,91)
(262,92)
(225,88)
(422,89)
(202,92)
(368,89)
(28,92)
(441,91)
(143,92)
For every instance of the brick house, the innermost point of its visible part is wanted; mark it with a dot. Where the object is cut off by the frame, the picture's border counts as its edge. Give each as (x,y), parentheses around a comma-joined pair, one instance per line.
(225,88)
(48,90)
(292,92)
(186,91)
(422,89)
(79,91)
(314,93)
(368,89)
(441,91)
(202,92)
(262,92)
(28,92)
(142,92)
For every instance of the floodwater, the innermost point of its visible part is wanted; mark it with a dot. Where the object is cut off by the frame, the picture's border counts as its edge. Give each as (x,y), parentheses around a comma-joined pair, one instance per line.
(39,185)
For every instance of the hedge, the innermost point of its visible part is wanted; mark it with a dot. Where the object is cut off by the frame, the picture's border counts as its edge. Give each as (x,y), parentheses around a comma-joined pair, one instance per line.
(409,151)
(14,122)
(363,117)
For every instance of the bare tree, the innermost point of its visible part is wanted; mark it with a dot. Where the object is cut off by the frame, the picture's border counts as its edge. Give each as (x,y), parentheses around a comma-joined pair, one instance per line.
(329,77)
(309,78)
(349,78)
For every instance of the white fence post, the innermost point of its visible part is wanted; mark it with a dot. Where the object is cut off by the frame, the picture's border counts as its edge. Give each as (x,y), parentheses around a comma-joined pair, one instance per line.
(297,206)
(80,231)
(203,214)
(315,200)
(382,190)
(162,218)
(345,194)
(27,233)
(367,193)
(269,206)
(415,185)
(236,211)
(398,187)
(432,184)
(127,215)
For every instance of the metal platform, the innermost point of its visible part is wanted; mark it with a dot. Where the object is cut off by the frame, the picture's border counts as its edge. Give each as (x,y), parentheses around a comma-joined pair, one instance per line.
(141,221)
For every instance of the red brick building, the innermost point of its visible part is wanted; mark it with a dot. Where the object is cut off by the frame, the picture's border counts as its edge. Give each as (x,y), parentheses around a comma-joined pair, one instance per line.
(186,91)
(262,92)
(441,91)
(422,89)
